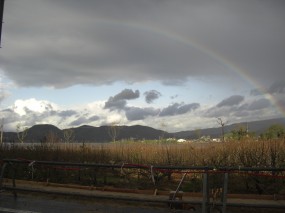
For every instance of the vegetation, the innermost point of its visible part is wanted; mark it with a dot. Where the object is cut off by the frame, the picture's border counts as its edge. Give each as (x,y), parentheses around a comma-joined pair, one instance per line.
(238,151)
(68,135)
(114,131)
(21,133)
(242,149)
(274,132)
(222,124)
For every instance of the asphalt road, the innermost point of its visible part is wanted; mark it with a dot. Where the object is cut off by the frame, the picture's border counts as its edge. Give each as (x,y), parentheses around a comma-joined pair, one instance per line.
(30,203)
(39,203)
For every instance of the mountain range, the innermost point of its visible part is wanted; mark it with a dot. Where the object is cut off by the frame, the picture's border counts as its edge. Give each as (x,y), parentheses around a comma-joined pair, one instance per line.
(85,133)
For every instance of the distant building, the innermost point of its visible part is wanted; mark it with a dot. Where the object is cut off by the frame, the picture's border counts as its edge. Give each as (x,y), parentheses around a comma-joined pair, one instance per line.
(181,140)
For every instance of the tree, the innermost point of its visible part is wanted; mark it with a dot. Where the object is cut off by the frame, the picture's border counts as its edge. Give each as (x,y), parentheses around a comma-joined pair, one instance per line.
(239,133)
(21,132)
(198,133)
(274,132)
(222,124)
(68,135)
(113,131)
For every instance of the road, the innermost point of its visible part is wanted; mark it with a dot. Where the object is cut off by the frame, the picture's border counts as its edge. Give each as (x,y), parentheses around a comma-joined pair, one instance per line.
(39,203)
(31,203)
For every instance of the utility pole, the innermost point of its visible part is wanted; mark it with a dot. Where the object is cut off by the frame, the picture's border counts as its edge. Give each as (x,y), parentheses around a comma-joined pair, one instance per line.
(1,130)
(1,17)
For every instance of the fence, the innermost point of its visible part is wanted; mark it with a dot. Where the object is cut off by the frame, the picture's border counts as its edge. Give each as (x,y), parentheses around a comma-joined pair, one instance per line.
(277,173)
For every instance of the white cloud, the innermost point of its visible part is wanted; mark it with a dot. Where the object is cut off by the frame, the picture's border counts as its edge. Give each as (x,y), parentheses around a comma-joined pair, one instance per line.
(31,111)
(22,107)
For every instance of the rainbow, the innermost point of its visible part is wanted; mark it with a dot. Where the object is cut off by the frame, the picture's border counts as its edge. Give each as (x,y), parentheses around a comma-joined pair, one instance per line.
(230,65)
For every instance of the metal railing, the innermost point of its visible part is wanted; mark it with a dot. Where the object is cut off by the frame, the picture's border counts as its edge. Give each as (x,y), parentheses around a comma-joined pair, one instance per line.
(204,170)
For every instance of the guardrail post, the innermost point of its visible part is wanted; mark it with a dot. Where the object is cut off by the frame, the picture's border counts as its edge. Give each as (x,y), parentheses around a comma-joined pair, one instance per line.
(205,202)
(14,181)
(177,189)
(2,175)
(225,192)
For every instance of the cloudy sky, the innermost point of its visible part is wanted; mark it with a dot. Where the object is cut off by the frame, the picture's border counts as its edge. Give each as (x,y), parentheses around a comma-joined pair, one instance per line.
(172,65)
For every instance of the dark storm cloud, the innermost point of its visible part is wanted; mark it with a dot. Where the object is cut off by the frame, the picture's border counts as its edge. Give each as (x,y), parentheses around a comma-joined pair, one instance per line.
(79,121)
(115,104)
(6,111)
(29,119)
(251,109)
(178,109)
(226,107)
(93,118)
(119,101)
(216,112)
(151,95)
(231,101)
(255,92)
(277,87)
(259,104)
(136,113)
(61,43)
(241,114)
(9,117)
(243,107)
(82,120)
(127,94)
(187,108)
(67,113)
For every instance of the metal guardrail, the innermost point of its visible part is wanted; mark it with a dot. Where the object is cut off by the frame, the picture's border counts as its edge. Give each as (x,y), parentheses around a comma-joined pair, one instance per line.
(139,166)
(204,170)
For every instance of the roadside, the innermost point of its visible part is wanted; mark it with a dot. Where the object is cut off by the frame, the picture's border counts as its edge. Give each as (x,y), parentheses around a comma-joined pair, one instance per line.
(122,200)
(39,203)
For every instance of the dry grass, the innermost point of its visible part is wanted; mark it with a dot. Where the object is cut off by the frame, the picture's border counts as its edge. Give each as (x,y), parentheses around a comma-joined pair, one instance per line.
(249,153)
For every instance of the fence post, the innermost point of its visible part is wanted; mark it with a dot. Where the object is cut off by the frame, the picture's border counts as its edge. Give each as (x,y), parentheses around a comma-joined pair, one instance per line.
(179,185)
(14,181)
(2,175)
(205,203)
(225,192)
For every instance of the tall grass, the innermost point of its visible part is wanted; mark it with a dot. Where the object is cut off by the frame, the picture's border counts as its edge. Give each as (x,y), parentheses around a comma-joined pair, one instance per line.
(249,153)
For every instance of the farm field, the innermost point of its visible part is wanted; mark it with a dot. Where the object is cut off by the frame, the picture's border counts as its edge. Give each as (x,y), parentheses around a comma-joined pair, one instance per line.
(247,153)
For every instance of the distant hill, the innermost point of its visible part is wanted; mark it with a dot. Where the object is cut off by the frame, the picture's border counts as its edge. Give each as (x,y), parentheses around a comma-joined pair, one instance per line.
(254,126)
(37,133)
(42,131)
(85,133)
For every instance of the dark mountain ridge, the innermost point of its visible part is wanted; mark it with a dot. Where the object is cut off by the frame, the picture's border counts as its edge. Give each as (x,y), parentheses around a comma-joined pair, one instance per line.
(86,133)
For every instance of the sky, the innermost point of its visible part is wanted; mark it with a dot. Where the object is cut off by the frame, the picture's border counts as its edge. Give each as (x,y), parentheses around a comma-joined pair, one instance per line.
(171,65)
